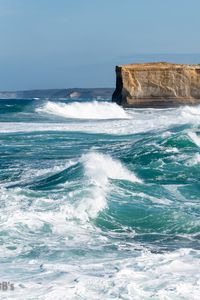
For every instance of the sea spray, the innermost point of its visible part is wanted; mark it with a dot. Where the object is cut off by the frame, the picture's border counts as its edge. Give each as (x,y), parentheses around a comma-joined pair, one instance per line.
(99,168)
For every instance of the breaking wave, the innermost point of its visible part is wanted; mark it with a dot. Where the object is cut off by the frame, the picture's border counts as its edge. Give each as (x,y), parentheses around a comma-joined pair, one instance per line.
(99,168)
(86,110)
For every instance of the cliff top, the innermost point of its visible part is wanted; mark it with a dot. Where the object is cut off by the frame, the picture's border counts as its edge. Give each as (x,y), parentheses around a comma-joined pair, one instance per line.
(160,65)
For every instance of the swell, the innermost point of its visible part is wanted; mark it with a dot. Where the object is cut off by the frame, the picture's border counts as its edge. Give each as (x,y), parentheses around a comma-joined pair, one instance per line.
(106,192)
(14,106)
(102,186)
(100,207)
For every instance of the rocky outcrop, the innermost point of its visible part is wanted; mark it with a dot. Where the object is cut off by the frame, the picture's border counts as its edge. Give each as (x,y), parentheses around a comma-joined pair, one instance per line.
(157,85)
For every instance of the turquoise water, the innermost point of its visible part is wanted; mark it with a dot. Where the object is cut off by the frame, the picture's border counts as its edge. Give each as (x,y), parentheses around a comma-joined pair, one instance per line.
(98,202)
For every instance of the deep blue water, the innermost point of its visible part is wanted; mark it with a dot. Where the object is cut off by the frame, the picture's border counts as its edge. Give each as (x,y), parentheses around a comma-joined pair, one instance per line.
(98,202)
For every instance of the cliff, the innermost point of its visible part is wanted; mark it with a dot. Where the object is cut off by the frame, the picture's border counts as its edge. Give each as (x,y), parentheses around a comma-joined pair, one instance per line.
(157,85)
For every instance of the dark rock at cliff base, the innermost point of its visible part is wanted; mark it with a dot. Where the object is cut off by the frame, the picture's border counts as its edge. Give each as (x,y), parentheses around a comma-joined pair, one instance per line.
(157,85)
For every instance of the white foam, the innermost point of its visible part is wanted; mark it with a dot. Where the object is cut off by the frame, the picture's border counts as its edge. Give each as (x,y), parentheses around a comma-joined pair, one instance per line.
(102,166)
(195,160)
(145,276)
(191,113)
(194,137)
(86,110)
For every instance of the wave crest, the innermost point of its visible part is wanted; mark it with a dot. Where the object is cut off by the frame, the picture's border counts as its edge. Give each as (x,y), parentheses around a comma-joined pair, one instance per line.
(86,110)
(98,169)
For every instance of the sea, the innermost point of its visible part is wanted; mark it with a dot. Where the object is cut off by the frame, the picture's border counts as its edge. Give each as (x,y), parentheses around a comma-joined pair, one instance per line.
(98,202)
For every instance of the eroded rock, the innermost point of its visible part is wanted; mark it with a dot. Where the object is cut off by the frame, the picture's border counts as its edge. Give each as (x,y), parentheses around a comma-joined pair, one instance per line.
(157,85)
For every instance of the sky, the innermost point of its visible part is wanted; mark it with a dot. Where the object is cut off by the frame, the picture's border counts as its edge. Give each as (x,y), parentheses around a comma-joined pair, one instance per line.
(77,43)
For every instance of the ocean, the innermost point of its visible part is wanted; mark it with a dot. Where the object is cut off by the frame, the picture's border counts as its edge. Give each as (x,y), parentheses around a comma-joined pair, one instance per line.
(99,202)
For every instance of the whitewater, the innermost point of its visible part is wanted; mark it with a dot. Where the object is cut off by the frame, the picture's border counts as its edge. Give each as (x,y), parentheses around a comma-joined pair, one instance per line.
(99,202)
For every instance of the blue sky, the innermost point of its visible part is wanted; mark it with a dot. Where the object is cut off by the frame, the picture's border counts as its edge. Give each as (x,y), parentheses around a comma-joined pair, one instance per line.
(77,43)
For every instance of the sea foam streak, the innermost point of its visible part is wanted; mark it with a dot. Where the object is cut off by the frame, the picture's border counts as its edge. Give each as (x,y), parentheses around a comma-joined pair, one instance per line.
(86,110)
(194,137)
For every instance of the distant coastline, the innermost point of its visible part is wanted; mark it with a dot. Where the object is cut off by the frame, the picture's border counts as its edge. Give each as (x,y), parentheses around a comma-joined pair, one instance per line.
(76,93)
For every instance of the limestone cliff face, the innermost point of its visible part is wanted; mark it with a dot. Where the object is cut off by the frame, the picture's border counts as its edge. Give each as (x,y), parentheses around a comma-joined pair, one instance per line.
(157,85)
